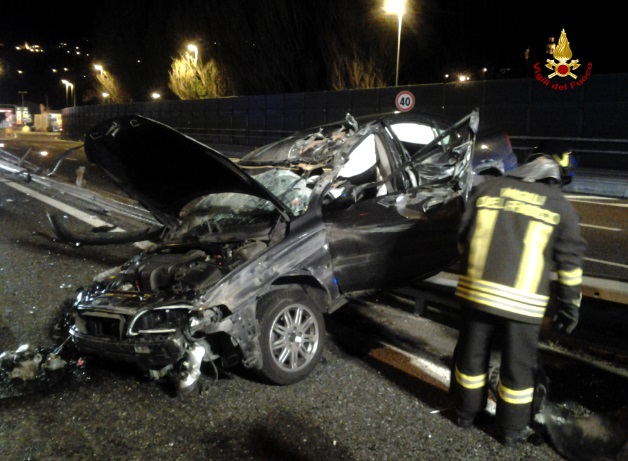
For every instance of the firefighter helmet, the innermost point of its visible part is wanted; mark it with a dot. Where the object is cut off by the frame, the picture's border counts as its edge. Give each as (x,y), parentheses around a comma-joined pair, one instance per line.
(548,162)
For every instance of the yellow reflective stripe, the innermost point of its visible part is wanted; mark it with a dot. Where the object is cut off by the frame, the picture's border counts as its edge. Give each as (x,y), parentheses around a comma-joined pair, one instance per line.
(502,297)
(570,278)
(515,397)
(498,303)
(525,297)
(470,382)
(480,243)
(532,260)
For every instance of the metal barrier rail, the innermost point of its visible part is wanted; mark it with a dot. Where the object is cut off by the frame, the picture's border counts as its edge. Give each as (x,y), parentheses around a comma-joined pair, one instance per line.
(589,152)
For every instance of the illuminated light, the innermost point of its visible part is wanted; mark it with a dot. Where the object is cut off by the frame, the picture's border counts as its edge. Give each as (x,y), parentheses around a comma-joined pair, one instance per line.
(44,153)
(2,145)
(155,95)
(483,146)
(397,7)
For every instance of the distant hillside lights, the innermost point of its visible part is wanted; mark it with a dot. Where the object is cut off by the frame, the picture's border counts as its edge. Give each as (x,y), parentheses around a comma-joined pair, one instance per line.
(39,49)
(31,48)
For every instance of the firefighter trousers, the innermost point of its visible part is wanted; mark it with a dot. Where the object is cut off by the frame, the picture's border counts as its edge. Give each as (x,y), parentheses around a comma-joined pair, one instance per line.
(517,343)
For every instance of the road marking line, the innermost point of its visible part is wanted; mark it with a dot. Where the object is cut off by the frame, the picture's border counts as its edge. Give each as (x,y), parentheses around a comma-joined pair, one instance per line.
(78,214)
(614,229)
(424,368)
(590,197)
(621,205)
(608,263)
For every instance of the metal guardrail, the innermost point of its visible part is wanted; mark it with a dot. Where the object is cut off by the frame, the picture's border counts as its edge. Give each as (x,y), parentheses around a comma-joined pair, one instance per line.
(597,153)
(598,159)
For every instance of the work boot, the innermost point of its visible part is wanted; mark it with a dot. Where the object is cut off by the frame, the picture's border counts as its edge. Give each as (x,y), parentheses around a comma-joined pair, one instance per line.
(512,439)
(464,423)
(483,418)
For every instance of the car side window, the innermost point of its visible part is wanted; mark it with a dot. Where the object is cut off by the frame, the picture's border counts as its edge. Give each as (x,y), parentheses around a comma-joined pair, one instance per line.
(360,167)
(363,168)
(414,136)
(414,133)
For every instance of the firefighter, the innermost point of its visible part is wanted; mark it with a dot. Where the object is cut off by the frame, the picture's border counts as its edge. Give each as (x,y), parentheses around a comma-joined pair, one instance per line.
(515,231)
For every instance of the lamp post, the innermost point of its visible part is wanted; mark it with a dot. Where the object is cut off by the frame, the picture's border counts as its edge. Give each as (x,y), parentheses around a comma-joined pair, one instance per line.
(68,84)
(23,93)
(99,68)
(193,48)
(104,98)
(396,7)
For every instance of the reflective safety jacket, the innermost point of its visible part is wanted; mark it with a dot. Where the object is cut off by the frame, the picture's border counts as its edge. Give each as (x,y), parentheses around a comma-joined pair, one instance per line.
(513,234)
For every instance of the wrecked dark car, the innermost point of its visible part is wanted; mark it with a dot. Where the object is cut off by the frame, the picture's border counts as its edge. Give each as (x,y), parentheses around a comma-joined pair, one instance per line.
(251,256)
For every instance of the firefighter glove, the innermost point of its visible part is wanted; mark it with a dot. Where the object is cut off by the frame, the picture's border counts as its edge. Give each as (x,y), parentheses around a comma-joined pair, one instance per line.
(566,318)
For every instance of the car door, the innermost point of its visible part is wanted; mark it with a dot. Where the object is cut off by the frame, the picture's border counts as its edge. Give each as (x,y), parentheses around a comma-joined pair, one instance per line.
(384,241)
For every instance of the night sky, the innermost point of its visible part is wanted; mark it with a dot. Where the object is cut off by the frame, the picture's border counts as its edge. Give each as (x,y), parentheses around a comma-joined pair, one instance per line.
(137,39)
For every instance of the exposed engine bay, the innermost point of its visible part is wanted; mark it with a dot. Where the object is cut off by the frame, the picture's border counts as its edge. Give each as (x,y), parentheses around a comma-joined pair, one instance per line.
(149,299)
(171,269)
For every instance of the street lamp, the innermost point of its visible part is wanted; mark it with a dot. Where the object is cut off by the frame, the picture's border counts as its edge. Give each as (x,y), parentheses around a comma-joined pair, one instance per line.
(104,98)
(99,68)
(23,93)
(396,7)
(68,84)
(155,96)
(194,49)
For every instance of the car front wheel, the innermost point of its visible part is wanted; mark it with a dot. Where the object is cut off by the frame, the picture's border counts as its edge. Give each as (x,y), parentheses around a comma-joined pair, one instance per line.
(292,335)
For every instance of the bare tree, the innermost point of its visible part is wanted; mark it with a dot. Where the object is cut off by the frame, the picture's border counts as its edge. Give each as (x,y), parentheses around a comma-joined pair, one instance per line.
(351,72)
(191,79)
(271,47)
(109,84)
(257,47)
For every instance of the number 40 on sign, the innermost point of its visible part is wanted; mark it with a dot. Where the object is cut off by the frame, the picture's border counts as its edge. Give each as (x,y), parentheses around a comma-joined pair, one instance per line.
(404,101)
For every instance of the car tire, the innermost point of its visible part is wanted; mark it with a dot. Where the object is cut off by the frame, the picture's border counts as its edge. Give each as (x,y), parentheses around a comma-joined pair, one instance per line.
(292,336)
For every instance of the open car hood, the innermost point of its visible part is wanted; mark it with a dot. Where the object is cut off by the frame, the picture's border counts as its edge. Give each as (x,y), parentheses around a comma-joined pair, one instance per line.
(164,169)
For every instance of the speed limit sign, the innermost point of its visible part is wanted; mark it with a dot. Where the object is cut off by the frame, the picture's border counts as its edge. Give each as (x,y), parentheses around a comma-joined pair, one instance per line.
(404,101)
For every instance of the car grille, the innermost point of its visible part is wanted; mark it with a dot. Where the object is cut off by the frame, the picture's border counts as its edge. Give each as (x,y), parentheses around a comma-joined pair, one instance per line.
(104,326)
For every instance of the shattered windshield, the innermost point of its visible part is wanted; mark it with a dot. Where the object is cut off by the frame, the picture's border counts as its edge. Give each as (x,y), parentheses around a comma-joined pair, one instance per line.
(235,212)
